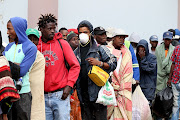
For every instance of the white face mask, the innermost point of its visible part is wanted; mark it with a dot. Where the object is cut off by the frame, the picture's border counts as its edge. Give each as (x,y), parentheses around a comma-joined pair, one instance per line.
(84,38)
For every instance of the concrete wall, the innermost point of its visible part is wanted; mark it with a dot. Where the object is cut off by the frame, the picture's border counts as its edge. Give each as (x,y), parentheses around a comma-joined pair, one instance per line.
(11,8)
(179,14)
(38,7)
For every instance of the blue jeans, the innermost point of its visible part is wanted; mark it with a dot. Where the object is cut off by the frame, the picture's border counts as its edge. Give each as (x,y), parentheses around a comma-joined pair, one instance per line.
(56,108)
(176,103)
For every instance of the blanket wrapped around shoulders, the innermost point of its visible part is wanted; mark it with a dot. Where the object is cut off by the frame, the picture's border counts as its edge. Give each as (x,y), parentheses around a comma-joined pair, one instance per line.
(122,84)
(7,87)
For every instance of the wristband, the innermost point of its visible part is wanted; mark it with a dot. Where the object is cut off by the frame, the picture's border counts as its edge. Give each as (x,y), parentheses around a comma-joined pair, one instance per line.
(101,64)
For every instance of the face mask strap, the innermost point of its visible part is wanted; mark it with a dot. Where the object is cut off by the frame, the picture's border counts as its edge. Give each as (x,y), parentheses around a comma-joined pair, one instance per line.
(86,43)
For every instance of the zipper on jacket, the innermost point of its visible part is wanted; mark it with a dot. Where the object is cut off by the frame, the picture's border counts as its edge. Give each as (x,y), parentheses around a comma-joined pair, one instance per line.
(14,53)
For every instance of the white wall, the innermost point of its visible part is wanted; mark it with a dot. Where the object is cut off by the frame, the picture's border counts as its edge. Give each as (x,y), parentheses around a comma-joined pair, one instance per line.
(146,17)
(8,9)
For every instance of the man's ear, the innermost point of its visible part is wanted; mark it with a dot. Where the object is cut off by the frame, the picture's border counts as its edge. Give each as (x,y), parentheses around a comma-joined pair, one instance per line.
(150,42)
(40,29)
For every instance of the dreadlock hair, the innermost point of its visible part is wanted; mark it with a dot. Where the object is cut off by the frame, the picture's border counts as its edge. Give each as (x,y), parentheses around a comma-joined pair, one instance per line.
(47,18)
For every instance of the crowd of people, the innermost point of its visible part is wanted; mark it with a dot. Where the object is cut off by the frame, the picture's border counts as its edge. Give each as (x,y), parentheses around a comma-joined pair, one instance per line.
(40,73)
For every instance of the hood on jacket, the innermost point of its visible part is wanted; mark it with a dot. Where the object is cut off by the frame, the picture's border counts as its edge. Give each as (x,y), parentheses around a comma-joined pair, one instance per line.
(134,37)
(90,26)
(86,23)
(57,36)
(20,26)
(143,43)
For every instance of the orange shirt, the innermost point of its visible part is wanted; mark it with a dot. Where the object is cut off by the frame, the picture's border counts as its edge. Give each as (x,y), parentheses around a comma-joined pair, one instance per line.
(166,52)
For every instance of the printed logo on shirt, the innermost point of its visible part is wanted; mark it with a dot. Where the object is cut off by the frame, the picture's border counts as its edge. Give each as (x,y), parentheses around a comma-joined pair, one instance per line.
(50,57)
(19,50)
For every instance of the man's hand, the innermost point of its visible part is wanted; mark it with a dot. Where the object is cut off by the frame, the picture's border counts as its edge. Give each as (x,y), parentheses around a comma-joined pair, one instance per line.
(137,82)
(66,92)
(93,61)
(141,54)
(17,63)
(169,83)
(5,117)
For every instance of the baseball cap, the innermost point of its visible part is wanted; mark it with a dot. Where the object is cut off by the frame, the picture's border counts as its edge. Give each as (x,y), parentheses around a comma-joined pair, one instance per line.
(176,37)
(31,31)
(99,31)
(177,32)
(73,30)
(153,38)
(134,37)
(168,35)
(119,32)
(109,32)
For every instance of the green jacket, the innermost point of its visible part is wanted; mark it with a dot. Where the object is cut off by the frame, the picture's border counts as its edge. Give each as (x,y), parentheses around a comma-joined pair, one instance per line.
(163,65)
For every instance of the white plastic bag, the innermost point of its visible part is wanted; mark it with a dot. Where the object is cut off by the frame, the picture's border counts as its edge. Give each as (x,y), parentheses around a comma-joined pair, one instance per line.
(106,95)
(140,106)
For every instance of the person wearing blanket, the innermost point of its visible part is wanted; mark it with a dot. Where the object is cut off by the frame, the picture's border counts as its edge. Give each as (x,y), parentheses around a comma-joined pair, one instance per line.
(121,79)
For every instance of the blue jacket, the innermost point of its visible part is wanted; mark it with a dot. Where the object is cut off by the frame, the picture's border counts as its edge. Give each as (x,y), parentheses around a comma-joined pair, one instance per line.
(23,53)
(103,54)
(148,71)
(136,73)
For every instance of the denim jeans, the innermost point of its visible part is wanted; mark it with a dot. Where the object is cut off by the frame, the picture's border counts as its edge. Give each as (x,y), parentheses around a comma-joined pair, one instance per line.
(176,103)
(56,108)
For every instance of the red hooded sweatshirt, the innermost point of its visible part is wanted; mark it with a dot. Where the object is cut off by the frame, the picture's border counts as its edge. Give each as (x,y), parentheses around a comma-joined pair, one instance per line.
(56,74)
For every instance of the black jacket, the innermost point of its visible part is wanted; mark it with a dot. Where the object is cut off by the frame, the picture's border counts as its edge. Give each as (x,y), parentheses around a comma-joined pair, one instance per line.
(102,53)
(175,43)
(1,46)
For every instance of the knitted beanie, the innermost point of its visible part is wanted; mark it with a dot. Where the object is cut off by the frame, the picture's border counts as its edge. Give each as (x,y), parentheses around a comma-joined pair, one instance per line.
(86,23)
(70,36)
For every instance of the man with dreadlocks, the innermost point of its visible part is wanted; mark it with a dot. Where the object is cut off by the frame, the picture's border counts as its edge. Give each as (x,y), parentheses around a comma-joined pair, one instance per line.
(58,79)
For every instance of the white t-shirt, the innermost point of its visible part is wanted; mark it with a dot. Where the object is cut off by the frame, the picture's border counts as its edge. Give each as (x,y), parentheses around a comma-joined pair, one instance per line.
(119,63)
